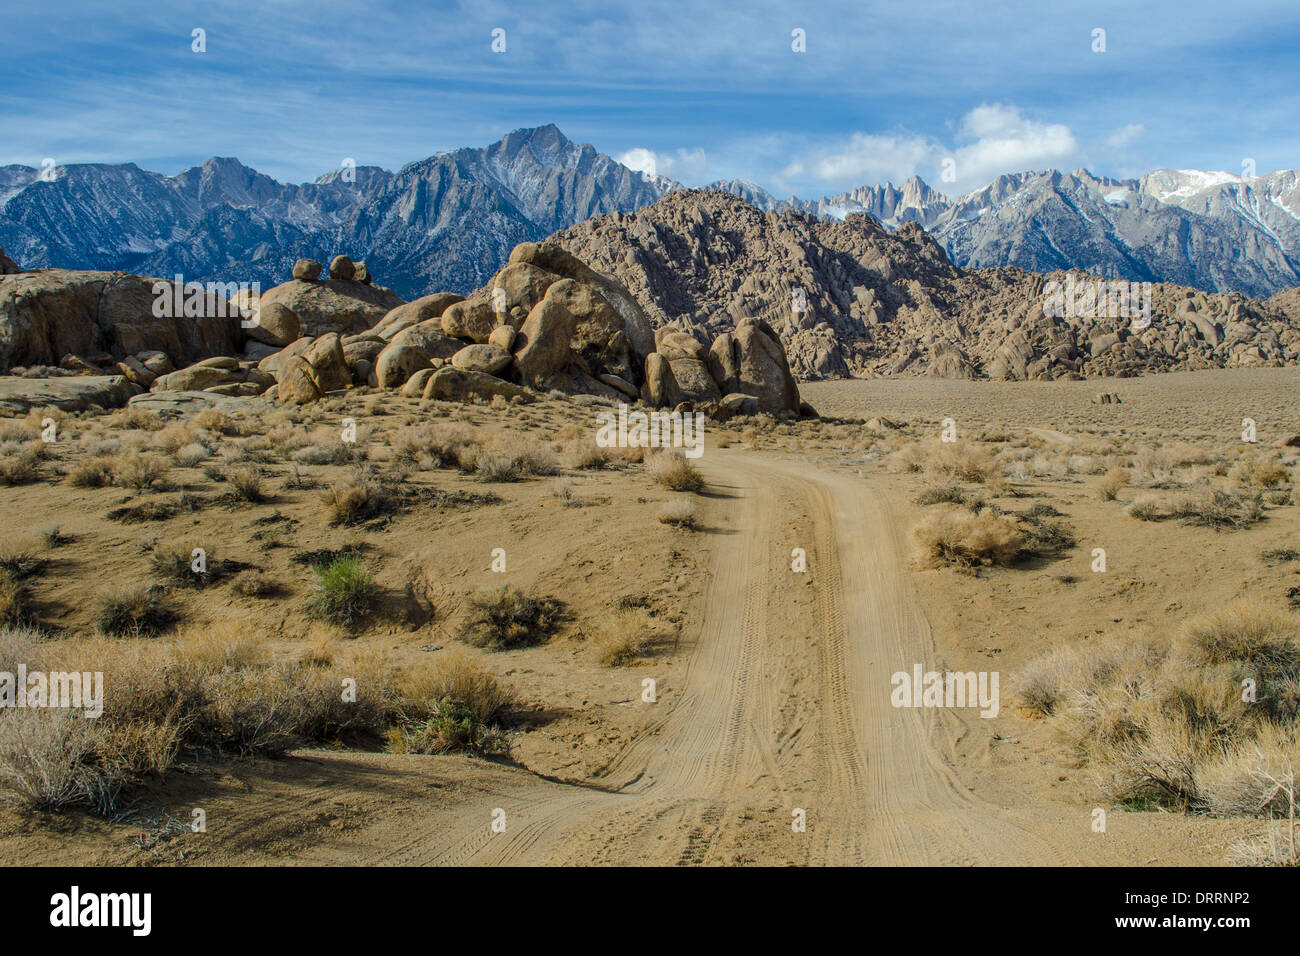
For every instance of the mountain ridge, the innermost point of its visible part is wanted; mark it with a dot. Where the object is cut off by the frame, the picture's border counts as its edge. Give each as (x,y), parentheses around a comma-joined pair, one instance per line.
(448,221)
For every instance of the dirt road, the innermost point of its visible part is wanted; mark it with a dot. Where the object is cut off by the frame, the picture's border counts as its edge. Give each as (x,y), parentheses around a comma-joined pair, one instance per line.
(776,715)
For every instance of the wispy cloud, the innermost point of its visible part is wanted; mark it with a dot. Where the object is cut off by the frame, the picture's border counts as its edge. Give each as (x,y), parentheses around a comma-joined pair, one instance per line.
(712,90)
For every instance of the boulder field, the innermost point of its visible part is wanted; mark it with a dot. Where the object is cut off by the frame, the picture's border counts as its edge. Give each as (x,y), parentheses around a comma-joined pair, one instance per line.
(546,321)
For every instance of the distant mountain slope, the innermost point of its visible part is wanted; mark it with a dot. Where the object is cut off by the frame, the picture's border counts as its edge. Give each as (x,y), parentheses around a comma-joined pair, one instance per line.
(449,221)
(446,222)
(1212,231)
(849,297)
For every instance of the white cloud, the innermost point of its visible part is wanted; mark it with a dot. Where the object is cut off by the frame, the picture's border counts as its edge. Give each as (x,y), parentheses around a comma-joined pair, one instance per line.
(1006,142)
(1125,136)
(991,139)
(685,165)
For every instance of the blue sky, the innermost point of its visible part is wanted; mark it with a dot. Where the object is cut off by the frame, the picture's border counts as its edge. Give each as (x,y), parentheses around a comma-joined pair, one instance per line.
(698,91)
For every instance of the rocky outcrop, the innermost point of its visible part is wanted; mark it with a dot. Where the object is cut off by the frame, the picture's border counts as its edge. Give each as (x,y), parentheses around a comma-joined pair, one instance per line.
(412,313)
(542,345)
(7,266)
(333,305)
(851,298)
(413,349)
(462,384)
(47,315)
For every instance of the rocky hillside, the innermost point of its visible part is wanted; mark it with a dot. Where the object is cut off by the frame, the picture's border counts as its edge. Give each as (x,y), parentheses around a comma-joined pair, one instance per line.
(1213,231)
(852,298)
(446,222)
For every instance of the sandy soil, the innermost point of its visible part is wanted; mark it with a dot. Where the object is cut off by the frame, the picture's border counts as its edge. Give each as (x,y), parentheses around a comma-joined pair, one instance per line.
(775,696)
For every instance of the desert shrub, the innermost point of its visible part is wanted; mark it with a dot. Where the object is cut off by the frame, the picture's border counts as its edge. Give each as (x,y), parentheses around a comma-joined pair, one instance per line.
(941,493)
(1043,535)
(174,564)
(20,462)
(134,610)
(674,472)
(448,728)
(13,599)
(513,463)
(354,500)
(441,445)
(1258,472)
(212,420)
(171,438)
(212,689)
(680,513)
(588,456)
(343,592)
(1147,508)
(253,583)
(191,455)
(508,617)
(625,635)
(139,470)
(953,537)
(47,760)
(247,481)
(136,417)
(958,460)
(1167,725)
(458,677)
(1220,510)
(1112,482)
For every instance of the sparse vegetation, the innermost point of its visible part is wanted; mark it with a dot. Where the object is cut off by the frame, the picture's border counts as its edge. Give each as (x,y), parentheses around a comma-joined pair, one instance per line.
(953,537)
(134,610)
(508,618)
(673,471)
(343,592)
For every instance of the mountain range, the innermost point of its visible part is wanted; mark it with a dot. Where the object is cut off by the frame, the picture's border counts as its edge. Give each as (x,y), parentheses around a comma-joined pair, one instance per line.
(449,221)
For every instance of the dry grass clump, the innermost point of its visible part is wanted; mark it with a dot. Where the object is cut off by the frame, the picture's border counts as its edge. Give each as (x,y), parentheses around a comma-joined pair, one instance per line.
(354,500)
(439,445)
(1220,510)
(947,492)
(134,417)
(458,676)
(508,618)
(247,482)
(680,513)
(513,462)
(1207,722)
(13,599)
(626,635)
(217,689)
(94,472)
(953,537)
(588,456)
(212,420)
(177,565)
(1111,483)
(957,460)
(139,470)
(1258,472)
(673,470)
(1147,508)
(20,462)
(191,455)
(134,610)
(254,583)
(455,705)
